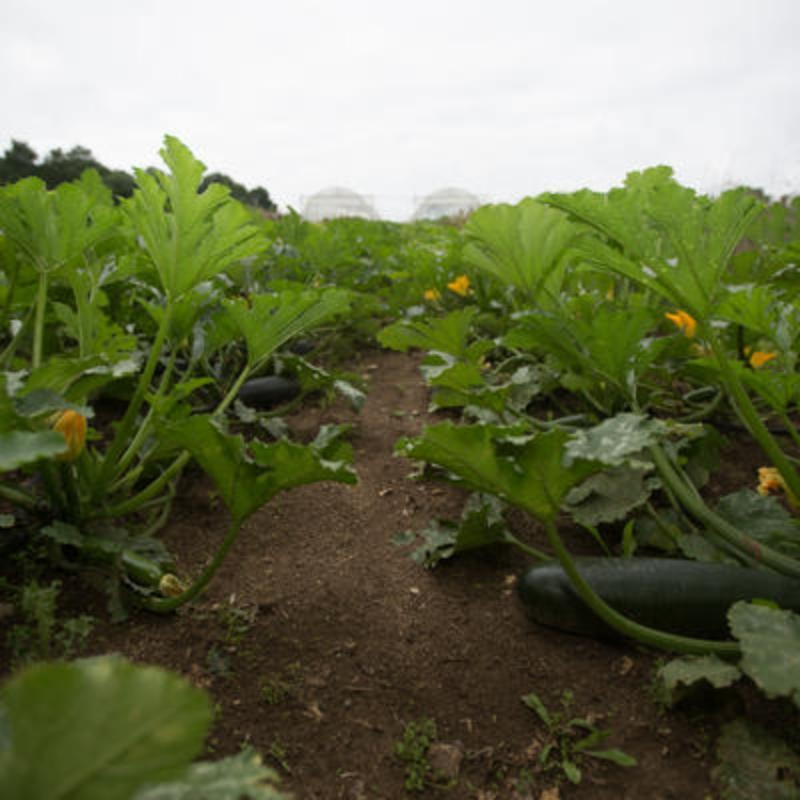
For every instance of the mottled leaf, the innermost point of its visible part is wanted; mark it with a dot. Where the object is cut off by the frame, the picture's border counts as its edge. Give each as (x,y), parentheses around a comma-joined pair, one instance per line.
(770,641)
(755,764)
(103,727)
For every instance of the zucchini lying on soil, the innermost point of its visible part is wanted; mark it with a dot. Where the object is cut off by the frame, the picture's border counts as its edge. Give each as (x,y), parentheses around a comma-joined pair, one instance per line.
(268,391)
(691,598)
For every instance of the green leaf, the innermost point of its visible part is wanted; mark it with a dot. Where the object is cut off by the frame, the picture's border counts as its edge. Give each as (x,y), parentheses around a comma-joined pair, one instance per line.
(523,245)
(189,235)
(448,334)
(18,448)
(267,321)
(527,471)
(242,776)
(663,235)
(764,518)
(44,401)
(770,641)
(754,763)
(533,702)
(248,477)
(104,725)
(481,525)
(54,228)
(690,670)
(618,440)
(610,495)
(615,756)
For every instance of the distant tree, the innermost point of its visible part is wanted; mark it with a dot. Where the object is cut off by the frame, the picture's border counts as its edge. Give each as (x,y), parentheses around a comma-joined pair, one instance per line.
(121,183)
(258,197)
(21,161)
(18,162)
(60,167)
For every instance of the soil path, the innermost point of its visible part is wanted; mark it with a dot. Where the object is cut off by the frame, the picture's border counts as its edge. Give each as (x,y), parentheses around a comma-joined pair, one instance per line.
(321,640)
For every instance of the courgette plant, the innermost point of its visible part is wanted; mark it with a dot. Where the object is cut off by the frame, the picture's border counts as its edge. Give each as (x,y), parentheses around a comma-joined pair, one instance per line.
(659,249)
(103,493)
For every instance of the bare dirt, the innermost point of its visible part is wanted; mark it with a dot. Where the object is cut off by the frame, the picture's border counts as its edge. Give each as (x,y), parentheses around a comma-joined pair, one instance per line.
(321,640)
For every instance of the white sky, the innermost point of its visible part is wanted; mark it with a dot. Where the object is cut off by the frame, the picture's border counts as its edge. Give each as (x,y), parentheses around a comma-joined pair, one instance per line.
(503,98)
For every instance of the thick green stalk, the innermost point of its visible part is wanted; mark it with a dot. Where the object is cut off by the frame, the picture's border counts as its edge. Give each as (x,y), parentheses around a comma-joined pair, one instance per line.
(751,418)
(152,490)
(167,604)
(134,503)
(123,432)
(144,428)
(526,548)
(17,497)
(627,627)
(693,504)
(38,329)
(233,391)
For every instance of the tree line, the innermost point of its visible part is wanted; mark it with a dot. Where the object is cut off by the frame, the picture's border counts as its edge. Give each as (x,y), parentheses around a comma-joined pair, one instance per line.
(21,161)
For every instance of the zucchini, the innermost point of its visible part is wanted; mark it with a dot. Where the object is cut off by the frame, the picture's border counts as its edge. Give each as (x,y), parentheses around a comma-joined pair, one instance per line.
(271,390)
(690,598)
(139,568)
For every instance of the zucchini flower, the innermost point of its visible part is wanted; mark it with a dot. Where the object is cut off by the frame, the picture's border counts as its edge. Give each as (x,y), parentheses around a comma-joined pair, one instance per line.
(770,481)
(432,294)
(460,285)
(685,323)
(760,357)
(72,426)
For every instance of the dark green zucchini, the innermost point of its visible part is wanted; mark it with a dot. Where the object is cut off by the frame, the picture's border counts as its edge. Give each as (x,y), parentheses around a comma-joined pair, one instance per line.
(691,598)
(271,390)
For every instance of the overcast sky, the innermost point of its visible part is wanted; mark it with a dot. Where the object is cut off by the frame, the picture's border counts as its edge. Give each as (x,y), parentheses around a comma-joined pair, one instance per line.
(504,98)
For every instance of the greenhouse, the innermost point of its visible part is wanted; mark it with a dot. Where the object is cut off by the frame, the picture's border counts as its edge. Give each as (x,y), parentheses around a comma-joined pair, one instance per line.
(449,202)
(337,201)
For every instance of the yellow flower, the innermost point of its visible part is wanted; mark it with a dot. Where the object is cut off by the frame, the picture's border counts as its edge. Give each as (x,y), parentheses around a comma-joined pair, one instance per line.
(760,357)
(72,426)
(171,586)
(770,481)
(460,285)
(684,322)
(432,294)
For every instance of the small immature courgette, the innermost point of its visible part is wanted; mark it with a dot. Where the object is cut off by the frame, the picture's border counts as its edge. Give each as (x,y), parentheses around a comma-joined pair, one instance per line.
(140,569)
(691,598)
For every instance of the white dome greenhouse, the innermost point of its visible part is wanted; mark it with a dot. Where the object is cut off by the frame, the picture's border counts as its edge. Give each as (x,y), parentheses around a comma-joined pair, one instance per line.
(337,201)
(448,202)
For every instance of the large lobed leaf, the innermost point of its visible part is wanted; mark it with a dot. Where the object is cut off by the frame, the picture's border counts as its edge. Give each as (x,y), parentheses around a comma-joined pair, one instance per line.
(448,334)
(55,228)
(527,471)
(18,448)
(248,477)
(755,764)
(189,235)
(96,729)
(663,235)
(523,245)
(267,321)
(770,641)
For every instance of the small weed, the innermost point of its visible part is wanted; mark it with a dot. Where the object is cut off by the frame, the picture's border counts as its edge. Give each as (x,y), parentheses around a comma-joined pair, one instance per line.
(412,749)
(277,688)
(570,739)
(237,621)
(41,636)
(278,752)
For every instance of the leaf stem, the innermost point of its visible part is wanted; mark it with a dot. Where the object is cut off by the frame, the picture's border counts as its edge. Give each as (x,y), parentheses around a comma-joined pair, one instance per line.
(627,627)
(739,541)
(751,419)
(167,604)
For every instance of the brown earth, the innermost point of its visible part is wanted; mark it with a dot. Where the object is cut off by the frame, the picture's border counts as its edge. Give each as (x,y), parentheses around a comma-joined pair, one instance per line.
(320,640)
